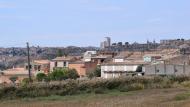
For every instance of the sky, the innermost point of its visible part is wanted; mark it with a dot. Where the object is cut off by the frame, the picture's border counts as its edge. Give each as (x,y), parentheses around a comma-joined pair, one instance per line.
(87,22)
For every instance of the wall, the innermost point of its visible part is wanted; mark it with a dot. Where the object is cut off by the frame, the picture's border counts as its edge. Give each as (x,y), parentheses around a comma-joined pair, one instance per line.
(83,68)
(80,68)
(167,69)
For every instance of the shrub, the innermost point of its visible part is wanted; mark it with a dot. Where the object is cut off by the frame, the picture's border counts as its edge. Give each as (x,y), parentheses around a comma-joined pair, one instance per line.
(71,74)
(99,90)
(186,84)
(131,87)
(25,82)
(95,73)
(40,76)
(63,74)
(179,79)
(57,75)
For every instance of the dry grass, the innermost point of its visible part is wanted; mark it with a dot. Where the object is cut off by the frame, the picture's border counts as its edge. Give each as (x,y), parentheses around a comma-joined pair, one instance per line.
(143,98)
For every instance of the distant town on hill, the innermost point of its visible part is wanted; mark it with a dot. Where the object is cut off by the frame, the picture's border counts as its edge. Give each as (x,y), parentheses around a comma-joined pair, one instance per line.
(16,56)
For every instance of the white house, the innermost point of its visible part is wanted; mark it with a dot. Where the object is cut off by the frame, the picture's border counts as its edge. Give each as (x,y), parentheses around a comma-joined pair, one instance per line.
(117,69)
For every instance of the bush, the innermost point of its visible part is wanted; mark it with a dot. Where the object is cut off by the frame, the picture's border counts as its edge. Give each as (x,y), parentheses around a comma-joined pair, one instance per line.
(63,74)
(41,76)
(99,91)
(186,84)
(25,82)
(95,73)
(132,87)
(98,86)
(179,79)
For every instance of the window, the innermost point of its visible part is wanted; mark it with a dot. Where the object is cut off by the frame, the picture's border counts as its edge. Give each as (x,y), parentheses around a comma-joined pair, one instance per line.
(175,70)
(64,64)
(55,64)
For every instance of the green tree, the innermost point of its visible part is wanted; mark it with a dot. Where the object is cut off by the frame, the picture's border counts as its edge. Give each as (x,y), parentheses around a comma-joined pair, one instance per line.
(95,73)
(59,53)
(41,76)
(72,74)
(57,74)
(62,74)
(25,81)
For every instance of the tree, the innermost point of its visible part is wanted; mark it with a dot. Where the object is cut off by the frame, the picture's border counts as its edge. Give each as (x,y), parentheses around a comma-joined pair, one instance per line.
(95,73)
(41,76)
(59,53)
(72,74)
(57,74)
(62,74)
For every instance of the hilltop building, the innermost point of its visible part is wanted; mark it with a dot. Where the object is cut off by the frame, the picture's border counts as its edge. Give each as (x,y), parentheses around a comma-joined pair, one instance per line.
(106,43)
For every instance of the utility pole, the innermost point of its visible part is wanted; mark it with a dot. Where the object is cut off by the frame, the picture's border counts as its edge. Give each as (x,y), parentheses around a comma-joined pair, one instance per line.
(29,66)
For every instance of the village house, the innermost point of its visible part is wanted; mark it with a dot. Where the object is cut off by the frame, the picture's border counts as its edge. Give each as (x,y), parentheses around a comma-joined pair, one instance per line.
(61,62)
(39,66)
(19,73)
(118,69)
(125,63)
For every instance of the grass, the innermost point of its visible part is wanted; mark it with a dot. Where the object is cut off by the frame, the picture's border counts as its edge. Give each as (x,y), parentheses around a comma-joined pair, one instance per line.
(113,98)
(78,97)
(183,96)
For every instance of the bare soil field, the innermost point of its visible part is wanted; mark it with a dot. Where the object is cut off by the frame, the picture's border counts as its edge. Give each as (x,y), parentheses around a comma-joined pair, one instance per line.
(178,97)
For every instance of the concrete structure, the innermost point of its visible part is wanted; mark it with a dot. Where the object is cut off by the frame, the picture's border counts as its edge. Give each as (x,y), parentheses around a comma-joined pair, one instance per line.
(106,43)
(88,55)
(114,70)
(167,69)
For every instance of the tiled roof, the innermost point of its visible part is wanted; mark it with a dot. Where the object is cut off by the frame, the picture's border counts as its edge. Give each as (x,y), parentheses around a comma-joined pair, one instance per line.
(42,61)
(127,63)
(68,58)
(16,71)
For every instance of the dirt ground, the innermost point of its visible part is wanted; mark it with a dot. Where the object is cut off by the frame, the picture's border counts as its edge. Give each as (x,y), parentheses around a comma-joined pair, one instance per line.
(144,98)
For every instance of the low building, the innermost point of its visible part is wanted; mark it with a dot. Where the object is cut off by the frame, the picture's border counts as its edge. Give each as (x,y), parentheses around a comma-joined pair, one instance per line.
(118,69)
(151,57)
(167,69)
(61,62)
(41,65)
(19,73)
(88,55)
